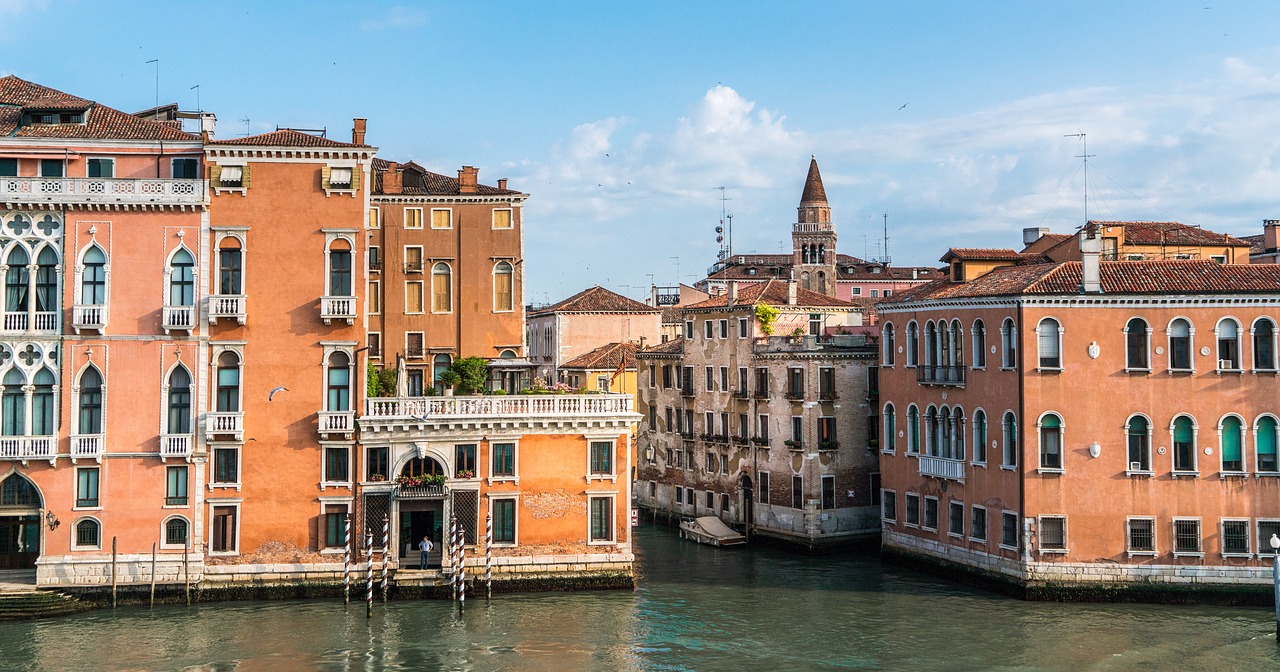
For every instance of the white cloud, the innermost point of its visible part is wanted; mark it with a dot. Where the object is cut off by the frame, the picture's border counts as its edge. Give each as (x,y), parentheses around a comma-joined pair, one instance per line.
(396,17)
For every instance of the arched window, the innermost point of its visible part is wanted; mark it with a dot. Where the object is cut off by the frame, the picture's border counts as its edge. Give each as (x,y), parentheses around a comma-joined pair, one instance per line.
(1231,431)
(439,364)
(913,429)
(957,419)
(182,283)
(890,428)
(340,268)
(90,401)
(945,447)
(230,267)
(228,382)
(42,404)
(931,431)
(980,436)
(1264,344)
(1050,441)
(1265,440)
(13,404)
(1137,345)
(93,283)
(1010,430)
(88,534)
(889,345)
(957,344)
(441,288)
(507,354)
(1139,433)
(1228,345)
(46,281)
(1008,343)
(1184,443)
(1180,345)
(1049,337)
(179,401)
(339,383)
(930,345)
(17,281)
(913,343)
(421,466)
(17,491)
(503,286)
(979,344)
(175,532)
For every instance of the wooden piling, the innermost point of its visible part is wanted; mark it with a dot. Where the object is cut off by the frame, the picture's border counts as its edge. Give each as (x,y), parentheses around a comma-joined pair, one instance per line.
(153,575)
(113,572)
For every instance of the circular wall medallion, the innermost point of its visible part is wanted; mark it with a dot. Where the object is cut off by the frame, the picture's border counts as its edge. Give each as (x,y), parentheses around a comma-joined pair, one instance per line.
(899,349)
(1159,350)
(1208,450)
(1094,350)
(993,349)
(1160,450)
(994,444)
(901,434)
(1204,352)
(1095,449)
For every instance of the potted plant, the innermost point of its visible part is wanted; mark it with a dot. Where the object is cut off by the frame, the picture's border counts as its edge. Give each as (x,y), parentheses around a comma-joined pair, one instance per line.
(449,378)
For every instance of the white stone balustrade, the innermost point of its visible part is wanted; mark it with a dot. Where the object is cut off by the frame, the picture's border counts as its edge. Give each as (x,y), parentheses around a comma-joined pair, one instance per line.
(532,405)
(156,191)
(941,467)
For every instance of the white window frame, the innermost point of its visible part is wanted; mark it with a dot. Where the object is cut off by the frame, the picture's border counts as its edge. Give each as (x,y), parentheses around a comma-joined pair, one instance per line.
(75,494)
(612,496)
(1040,366)
(888,435)
(164,533)
(986,523)
(494,219)
(514,498)
(1040,538)
(951,505)
(350,187)
(742,328)
(225,445)
(1195,448)
(220,503)
(985,446)
(75,546)
(326,502)
(421,295)
(332,236)
(373,301)
(612,440)
(495,274)
(924,513)
(906,502)
(1062,444)
(222,185)
(1008,345)
(1129,471)
(1173,527)
(374,220)
(1148,334)
(709,329)
(883,500)
(1253,345)
(430,299)
(1128,538)
(979,349)
(408,217)
(1191,344)
(515,460)
(1017,526)
(432,223)
(912,336)
(1264,551)
(325,446)
(106,276)
(1217,341)
(422,259)
(1249,533)
(1005,451)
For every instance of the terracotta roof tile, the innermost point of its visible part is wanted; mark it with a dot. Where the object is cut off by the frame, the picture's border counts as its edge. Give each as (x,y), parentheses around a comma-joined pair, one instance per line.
(418,181)
(1170,233)
(981,254)
(609,356)
(1045,242)
(596,300)
(674,346)
(672,315)
(100,122)
(285,137)
(772,292)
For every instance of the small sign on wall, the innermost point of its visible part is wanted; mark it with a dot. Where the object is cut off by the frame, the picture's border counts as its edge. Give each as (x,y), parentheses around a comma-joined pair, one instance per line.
(635,517)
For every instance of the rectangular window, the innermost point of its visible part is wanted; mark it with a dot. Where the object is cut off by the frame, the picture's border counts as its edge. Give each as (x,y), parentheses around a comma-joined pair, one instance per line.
(797,429)
(175,486)
(930,513)
(742,381)
(413,259)
(827,382)
(602,518)
(762,383)
(1009,530)
(708,329)
(889,505)
(464,459)
(679,495)
(373,301)
(815,324)
(1142,535)
(744,424)
(226,465)
(828,492)
(1267,528)
(711,500)
(762,428)
(101,167)
(653,379)
(340,177)
(441,218)
(978,524)
(185,169)
(742,327)
(724,425)
(414,349)
(764,487)
(375,217)
(875,293)
(413,297)
(602,457)
(8,167)
(712,463)
(504,521)
(1235,537)
(795,383)
(336,465)
(672,427)
(688,329)
(955,519)
(827,433)
(224,529)
(376,464)
(1186,536)
(502,219)
(912,515)
(1053,533)
(797,492)
(53,168)
(709,375)
(724,328)
(375,258)
(87,486)
(335,525)
(724,379)
(413,218)
(724,463)
(709,423)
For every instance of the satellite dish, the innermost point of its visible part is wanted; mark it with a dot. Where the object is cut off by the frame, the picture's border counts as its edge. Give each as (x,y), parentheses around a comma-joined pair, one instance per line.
(719,229)
(719,239)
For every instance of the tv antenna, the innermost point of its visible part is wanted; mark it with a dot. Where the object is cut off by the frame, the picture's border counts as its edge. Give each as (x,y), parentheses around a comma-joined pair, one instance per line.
(884,256)
(726,247)
(157,62)
(196,88)
(246,125)
(1084,154)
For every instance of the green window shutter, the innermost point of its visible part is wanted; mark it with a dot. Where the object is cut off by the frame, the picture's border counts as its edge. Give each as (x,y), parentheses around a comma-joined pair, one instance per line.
(1182,430)
(1266,436)
(1230,440)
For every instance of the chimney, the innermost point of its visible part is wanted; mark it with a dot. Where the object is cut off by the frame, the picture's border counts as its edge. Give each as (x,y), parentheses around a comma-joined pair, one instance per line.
(733,293)
(1090,260)
(1032,234)
(357,131)
(792,291)
(502,183)
(1271,233)
(392,179)
(467,180)
(208,122)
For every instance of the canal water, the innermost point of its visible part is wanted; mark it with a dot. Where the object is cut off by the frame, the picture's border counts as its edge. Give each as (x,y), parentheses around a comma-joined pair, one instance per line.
(697,608)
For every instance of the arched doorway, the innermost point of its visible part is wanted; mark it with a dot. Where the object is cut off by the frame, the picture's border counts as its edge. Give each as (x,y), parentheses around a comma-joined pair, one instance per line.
(20,505)
(747,489)
(420,510)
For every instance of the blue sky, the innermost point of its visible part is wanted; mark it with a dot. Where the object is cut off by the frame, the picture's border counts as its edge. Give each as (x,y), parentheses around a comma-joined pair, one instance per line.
(621,119)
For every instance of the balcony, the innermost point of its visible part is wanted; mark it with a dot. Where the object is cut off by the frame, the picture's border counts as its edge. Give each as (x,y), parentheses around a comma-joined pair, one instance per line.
(795,395)
(941,467)
(105,190)
(338,308)
(940,375)
(178,318)
(395,410)
(28,448)
(687,391)
(224,423)
(87,447)
(175,445)
(227,306)
(89,317)
(342,423)
(418,492)
(25,321)
(413,266)
(741,394)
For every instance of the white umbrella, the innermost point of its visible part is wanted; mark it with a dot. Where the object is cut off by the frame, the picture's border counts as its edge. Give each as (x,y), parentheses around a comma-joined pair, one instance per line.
(402,378)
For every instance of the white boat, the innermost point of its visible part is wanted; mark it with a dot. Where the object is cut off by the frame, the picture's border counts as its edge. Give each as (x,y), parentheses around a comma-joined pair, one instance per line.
(710,530)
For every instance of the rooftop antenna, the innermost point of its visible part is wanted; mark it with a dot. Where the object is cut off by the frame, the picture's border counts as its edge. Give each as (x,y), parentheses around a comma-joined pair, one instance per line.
(157,62)
(725,250)
(1084,154)
(884,255)
(196,88)
(677,268)
(246,125)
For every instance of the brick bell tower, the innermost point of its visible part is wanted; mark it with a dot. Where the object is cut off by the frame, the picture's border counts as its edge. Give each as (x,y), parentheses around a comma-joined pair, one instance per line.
(813,237)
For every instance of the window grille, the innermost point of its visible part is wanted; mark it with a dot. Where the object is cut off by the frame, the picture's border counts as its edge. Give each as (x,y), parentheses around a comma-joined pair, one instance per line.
(1142,535)
(1053,533)
(1186,536)
(466,509)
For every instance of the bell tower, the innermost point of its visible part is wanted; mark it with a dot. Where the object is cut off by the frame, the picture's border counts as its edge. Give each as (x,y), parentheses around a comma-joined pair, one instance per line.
(813,237)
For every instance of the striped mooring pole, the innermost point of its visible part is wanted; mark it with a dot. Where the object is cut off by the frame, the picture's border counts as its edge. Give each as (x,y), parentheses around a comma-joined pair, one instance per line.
(453,558)
(346,561)
(368,562)
(386,552)
(462,568)
(488,556)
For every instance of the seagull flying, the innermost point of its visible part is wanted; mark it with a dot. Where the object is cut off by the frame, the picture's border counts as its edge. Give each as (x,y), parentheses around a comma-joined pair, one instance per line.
(272,394)
(904,106)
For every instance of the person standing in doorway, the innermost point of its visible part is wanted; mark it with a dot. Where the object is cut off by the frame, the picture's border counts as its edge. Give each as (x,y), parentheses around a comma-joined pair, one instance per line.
(425,546)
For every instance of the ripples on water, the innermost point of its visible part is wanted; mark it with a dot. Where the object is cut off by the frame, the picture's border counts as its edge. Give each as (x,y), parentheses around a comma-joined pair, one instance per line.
(697,608)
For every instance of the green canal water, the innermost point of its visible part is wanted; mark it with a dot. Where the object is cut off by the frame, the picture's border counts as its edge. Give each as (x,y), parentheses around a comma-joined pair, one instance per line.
(697,608)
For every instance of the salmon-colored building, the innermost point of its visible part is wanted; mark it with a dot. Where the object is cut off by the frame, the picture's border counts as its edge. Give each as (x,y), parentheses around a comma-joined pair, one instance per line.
(1084,423)
(570,328)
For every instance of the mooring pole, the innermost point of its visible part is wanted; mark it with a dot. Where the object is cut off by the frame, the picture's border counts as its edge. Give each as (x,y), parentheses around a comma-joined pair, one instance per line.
(368,561)
(386,548)
(453,557)
(462,569)
(113,572)
(186,576)
(488,556)
(153,575)
(1275,579)
(346,561)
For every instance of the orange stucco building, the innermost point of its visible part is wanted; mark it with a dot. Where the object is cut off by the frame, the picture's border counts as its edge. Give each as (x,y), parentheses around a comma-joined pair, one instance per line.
(1084,424)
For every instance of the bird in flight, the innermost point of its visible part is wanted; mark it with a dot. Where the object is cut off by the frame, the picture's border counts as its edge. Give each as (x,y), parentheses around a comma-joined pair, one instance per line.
(904,106)
(272,394)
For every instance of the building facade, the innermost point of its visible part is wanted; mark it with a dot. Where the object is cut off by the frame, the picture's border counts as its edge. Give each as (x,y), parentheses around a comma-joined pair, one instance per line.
(583,322)
(1084,424)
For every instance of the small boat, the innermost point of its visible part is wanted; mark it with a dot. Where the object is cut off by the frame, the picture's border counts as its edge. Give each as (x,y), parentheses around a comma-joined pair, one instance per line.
(710,530)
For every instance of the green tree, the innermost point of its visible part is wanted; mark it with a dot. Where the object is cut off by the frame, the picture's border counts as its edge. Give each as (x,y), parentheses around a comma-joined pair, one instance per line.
(473,373)
(767,314)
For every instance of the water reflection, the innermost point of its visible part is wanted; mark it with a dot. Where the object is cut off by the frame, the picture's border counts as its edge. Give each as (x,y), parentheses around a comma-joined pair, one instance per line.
(698,608)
